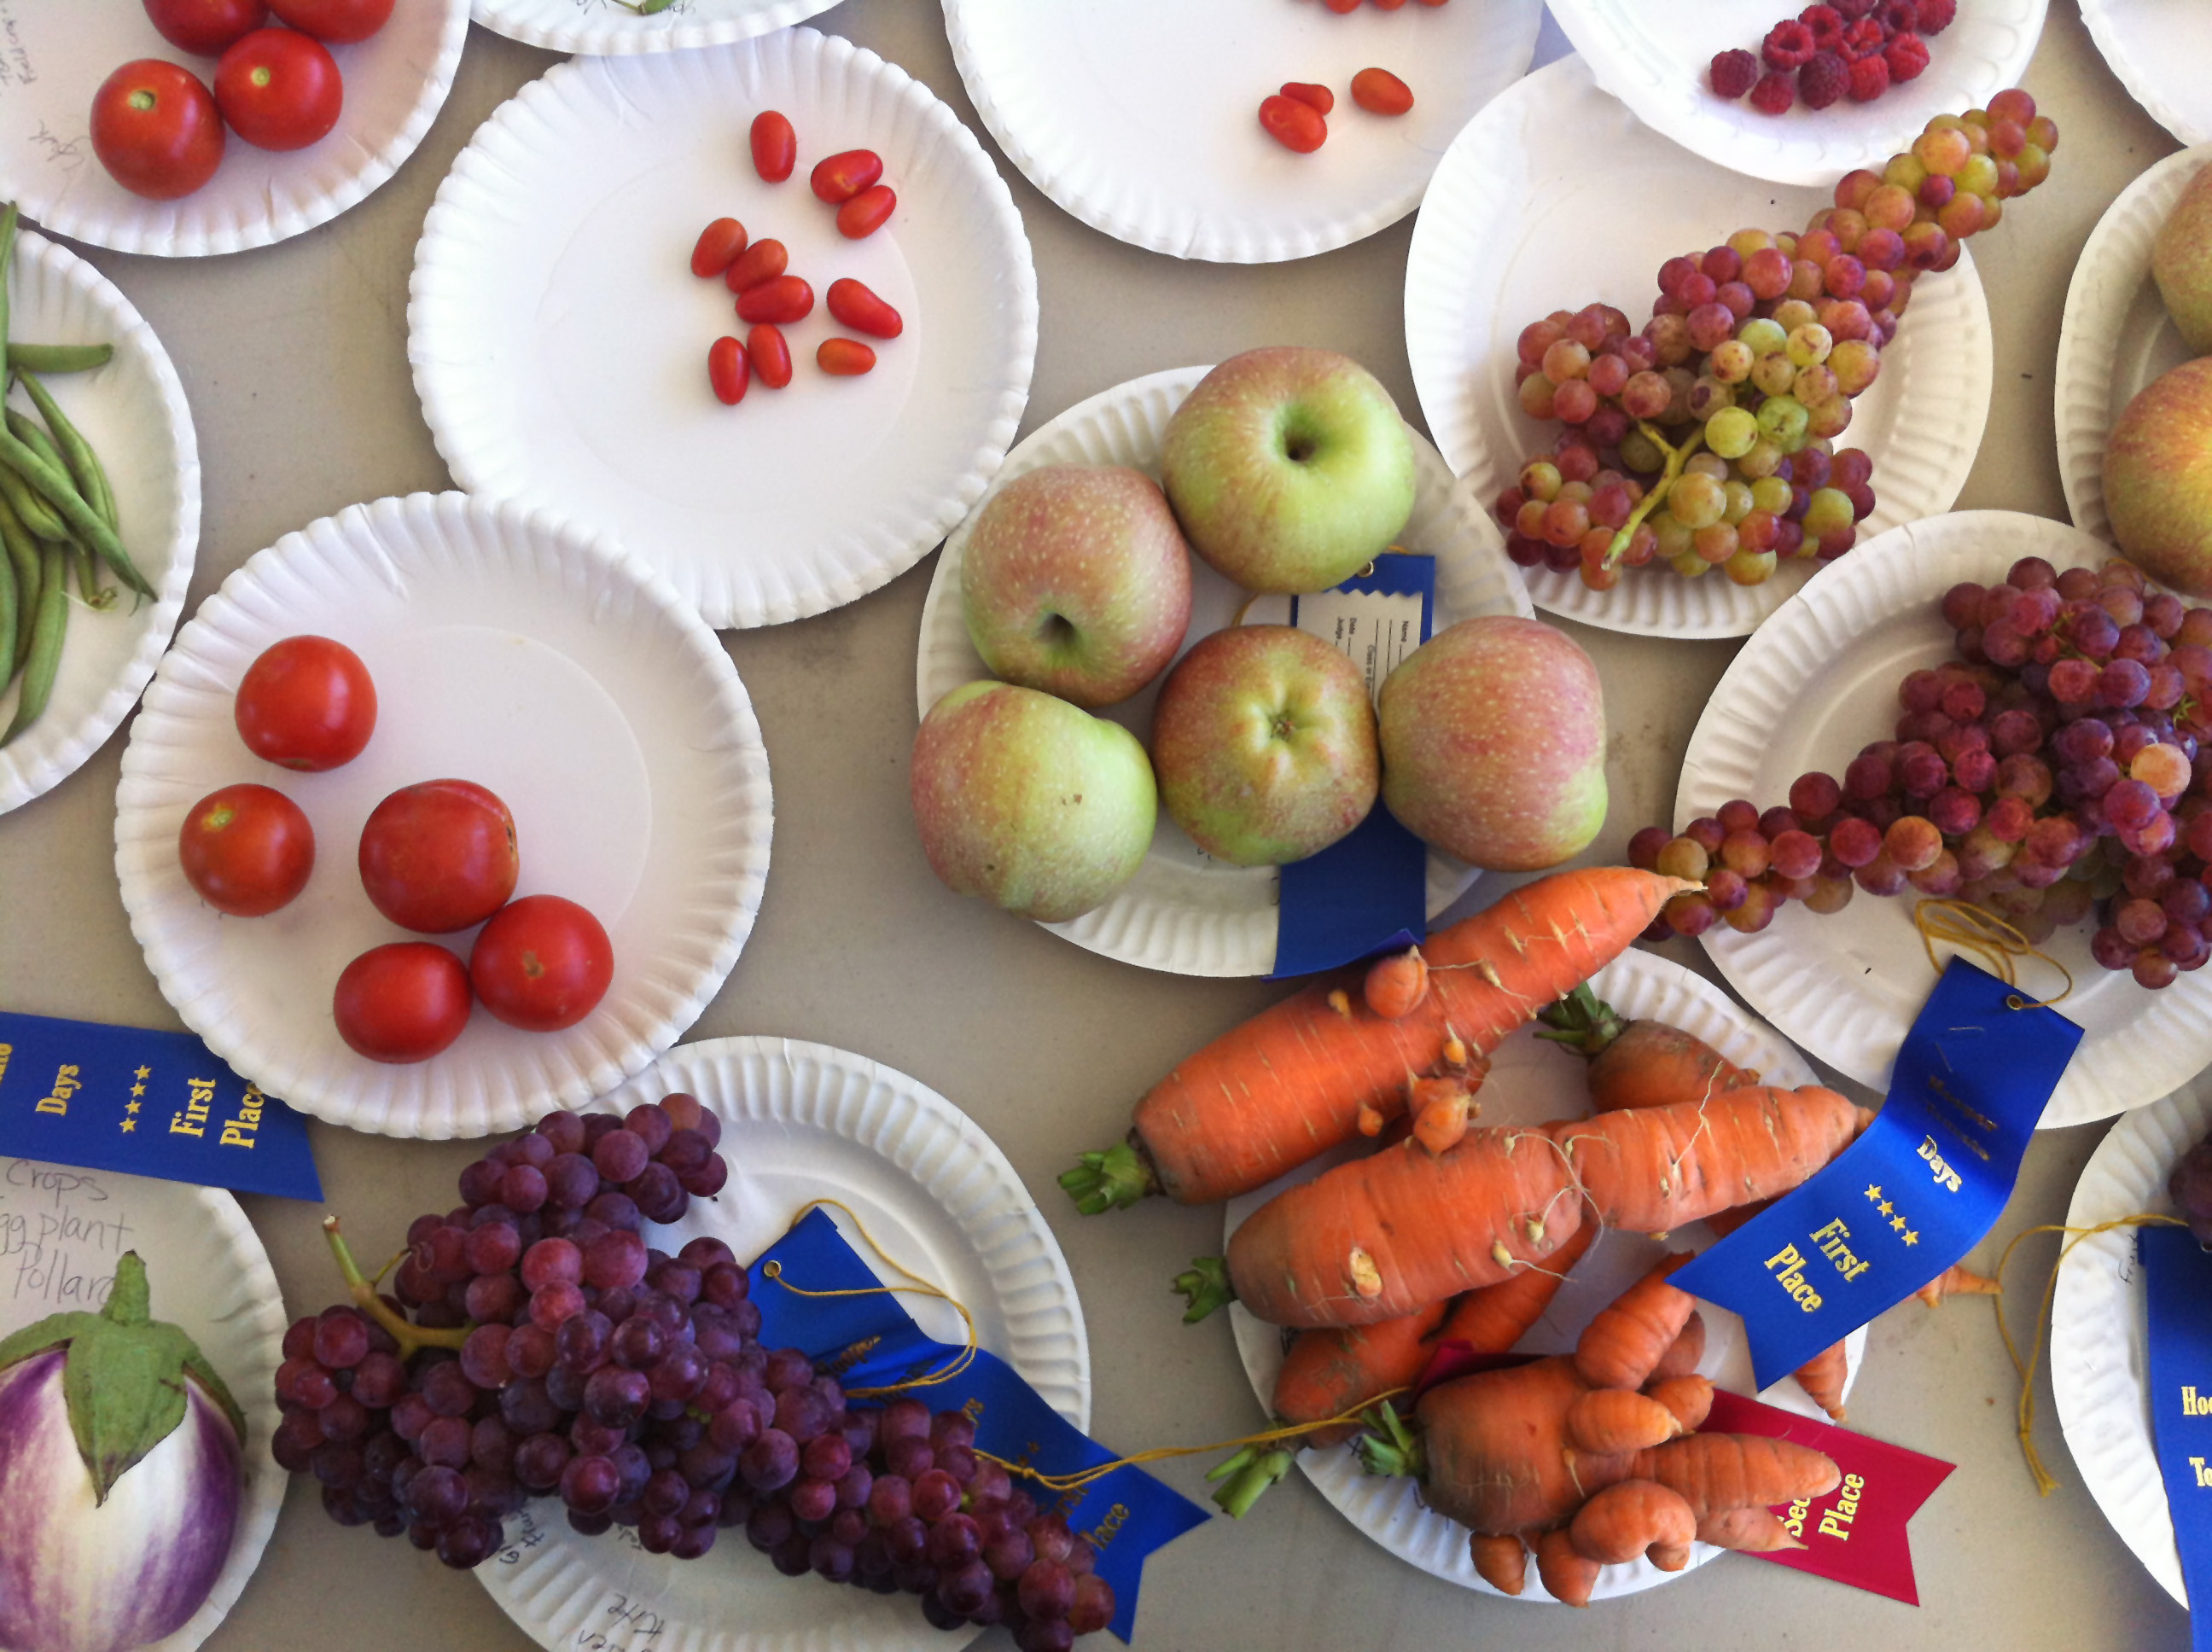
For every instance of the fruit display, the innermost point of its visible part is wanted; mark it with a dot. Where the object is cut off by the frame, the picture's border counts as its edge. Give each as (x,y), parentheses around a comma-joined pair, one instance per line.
(1298,116)
(1725,407)
(2181,262)
(1855,49)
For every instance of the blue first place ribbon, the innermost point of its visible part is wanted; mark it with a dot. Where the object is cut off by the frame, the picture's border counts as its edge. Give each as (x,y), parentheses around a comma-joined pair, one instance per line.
(2178,1287)
(1913,1195)
(870,1341)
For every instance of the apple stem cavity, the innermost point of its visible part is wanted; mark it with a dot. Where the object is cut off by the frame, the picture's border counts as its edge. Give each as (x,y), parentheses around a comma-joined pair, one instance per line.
(1676,458)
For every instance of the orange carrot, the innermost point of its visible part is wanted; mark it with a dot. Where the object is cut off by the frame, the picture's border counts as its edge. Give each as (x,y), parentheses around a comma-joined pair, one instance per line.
(1613,1421)
(1956,1281)
(1822,1379)
(1497,1455)
(1329,1372)
(1690,1397)
(1500,1562)
(1568,1578)
(1494,1319)
(1289,1084)
(1670,1557)
(1683,1353)
(1625,1343)
(1636,1063)
(1396,985)
(1724,1223)
(1753,1531)
(1443,1109)
(1716,1472)
(1629,1517)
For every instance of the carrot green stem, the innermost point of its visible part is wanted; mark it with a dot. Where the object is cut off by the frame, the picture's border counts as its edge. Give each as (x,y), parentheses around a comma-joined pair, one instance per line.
(1112,1179)
(1582,1021)
(1249,1473)
(411,1339)
(1389,1446)
(1205,1285)
(1676,458)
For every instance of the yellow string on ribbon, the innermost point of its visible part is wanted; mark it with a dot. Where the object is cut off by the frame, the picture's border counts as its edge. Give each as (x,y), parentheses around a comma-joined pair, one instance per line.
(920,1287)
(1978,931)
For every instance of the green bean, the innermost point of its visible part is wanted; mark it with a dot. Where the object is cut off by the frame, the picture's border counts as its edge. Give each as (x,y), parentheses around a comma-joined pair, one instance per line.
(83,464)
(11,608)
(36,515)
(6,255)
(60,358)
(54,487)
(22,554)
(45,658)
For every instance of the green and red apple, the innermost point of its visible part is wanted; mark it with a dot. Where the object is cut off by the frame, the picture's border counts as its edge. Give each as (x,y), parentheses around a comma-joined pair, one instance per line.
(1493,744)
(1289,469)
(1075,580)
(2158,478)
(1029,802)
(2181,262)
(1263,739)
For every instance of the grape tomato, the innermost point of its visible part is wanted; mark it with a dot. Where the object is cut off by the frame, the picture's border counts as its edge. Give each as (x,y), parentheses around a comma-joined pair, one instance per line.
(785,299)
(774,146)
(1319,98)
(764,260)
(718,247)
(1295,126)
(726,371)
(855,306)
(844,358)
(770,355)
(839,178)
(866,212)
(1381,93)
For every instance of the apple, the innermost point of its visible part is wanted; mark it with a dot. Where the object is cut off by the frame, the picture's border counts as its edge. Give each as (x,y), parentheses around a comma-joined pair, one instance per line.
(2181,262)
(1289,469)
(1493,744)
(1075,580)
(1263,738)
(1029,802)
(2158,478)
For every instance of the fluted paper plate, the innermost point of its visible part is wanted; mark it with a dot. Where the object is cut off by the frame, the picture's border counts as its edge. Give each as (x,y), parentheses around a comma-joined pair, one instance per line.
(2115,336)
(2158,49)
(1816,682)
(133,412)
(2100,1326)
(803,1121)
(206,1272)
(509,650)
(603,29)
(58,54)
(1185,912)
(1655,59)
(559,339)
(1533,1080)
(1140,117)
(1504,241)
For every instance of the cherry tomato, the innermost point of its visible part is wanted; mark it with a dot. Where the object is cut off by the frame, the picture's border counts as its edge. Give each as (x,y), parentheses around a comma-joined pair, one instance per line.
(1319,98)
(726,371)
(156,130)
(439,856)
(1293,124)
(542,963)
(207,27)
(764,260)
(844,358)
(866,212)
(856,306)
(1381,93)
(402,1001)
(1386,5)
(769,355)
(718,246)
(775,146)
(786,299)
(1341,5)
(307,703)
(339,21)
(246,850)
(841,176)
(279,89)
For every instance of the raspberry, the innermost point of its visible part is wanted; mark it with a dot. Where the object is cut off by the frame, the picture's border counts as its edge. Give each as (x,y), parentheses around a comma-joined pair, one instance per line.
(1853,10)
(1869,78)
(1899,16)
(1776,91)
(1863,39)
(1822,80)
(1734,73)
(1789,45)
(1821,19)
(1906,56)
(1934,16)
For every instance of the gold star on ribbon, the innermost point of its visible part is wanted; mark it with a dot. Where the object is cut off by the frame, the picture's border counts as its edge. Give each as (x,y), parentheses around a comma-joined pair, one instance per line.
(144,1073)
(132,1107)
(131,1124)
(1898,1222)
(1873,1194)
(1886,1208)
(1912,1238)
(137,1089)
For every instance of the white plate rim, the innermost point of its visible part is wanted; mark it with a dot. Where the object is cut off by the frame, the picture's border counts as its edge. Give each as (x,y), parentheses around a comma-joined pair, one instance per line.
(2141,79)
(623,32)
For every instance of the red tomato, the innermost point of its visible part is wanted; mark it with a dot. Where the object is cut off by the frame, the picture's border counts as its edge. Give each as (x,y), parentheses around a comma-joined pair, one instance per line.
(402,1001)
(718,246)
(207,27)
(1317,98)
(247,849)
(1381,93)
(841,176)
(769,354)
(783,300)
(339,21)
(279,89)
(774,145)
(156,130)
(542,963)
(866,212)
(307,703)
(844,358)
(764,260)
(727,371)
(1293,124)
(854,303)
(439,856)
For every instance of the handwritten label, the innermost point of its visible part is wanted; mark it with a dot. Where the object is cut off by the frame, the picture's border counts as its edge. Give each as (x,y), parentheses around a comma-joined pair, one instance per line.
(61,1233)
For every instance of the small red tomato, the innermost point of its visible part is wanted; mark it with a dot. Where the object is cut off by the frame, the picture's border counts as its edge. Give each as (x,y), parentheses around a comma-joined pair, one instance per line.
(207,27)
(775,146)
(856,306)
(1319,98)
(726,371)
(718,246)
(783,300)
(844,358)
(340,21)
(1293,124)
(246,850)
(841,176)
(1387,5)
(866,212)
(439,856)
(1341,5)
(769,355)
(764,260)
(306,703)
(156,130)
(402,1001)
(1381,93)
(279,89)
(542,963)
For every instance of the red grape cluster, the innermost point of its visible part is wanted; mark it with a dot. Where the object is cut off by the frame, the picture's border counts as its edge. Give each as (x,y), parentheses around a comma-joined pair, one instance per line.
(1725,407)
(2048,770)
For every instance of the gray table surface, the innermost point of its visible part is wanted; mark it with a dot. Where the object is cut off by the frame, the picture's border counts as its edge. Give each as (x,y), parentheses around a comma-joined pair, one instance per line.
(294,361)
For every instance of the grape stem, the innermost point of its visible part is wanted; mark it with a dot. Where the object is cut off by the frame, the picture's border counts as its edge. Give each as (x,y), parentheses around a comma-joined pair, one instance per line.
(1676,458)
(411,1339)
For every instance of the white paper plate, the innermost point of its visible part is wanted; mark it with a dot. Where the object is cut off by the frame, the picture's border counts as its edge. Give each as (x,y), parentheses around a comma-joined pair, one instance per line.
(1654,60)
(1184,911)
(133,412)
(2100,1326)
(601,28)
(509,650)
(207,1272)
(2115,336)
(2157,48)
(805,1121)
(1141,117)
(1532,1081)
(59,54)
(559,338)
(1505,238)
(1815,683)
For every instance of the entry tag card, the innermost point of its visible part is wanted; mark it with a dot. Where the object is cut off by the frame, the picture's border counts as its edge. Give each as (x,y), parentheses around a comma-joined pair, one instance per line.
(148,1104)
(2178,1282)
(1367,892)
(1913,1195)
(871,1341)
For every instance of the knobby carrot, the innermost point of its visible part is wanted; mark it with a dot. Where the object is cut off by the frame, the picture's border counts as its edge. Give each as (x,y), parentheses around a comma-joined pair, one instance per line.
(1635,1064)
(1623,1346)
(1329,1372)
(1611,1421)
(1629,1517)
(1823,1378)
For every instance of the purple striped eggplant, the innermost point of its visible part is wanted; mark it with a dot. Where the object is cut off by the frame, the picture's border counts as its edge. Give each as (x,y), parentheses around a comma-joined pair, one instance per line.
(120,1477)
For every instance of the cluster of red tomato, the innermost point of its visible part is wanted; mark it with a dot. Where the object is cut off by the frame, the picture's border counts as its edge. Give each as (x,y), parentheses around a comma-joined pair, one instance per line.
(160,132)
(1298,116)
(436,858)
